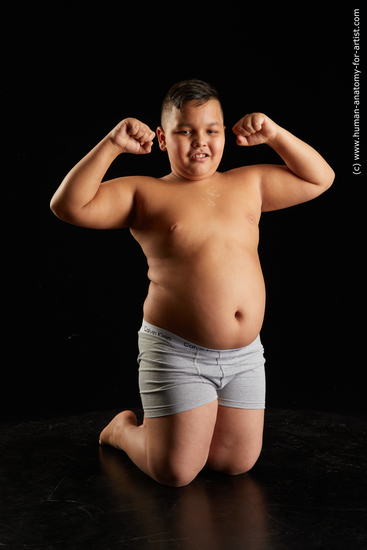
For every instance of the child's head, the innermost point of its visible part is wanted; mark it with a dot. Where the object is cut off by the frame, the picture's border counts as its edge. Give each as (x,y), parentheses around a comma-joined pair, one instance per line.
(184,92)
(192,131)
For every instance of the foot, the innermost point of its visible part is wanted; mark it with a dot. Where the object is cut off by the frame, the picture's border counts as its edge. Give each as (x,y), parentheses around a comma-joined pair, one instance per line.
(113,434)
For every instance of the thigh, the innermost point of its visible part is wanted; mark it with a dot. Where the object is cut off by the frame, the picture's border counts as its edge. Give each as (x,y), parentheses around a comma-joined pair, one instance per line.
(237,439)
(180,443)
(246,390)
(169,379)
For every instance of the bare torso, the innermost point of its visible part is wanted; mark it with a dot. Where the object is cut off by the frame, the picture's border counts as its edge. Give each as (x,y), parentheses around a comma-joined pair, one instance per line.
(200,240)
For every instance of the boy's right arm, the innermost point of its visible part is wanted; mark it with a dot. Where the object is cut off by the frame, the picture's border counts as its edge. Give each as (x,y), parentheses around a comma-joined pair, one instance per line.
(82,199)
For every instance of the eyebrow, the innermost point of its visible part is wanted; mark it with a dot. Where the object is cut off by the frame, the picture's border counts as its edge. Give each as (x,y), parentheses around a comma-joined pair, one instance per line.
(188,124)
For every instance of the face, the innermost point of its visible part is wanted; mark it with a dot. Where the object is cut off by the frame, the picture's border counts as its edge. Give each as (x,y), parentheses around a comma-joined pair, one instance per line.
(194,139)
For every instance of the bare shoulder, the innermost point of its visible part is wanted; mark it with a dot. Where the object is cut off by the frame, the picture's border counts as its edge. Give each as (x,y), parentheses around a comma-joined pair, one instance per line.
(128,187)
(246,174)
(130,182)
(274,185)
(246,179)
(114,205)
(146,192)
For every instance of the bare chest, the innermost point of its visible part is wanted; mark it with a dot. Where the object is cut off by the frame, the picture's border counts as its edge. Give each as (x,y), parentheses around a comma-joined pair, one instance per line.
(189,217)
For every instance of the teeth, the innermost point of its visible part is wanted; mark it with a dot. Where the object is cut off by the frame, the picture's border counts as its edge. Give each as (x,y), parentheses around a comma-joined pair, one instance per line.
(201,156)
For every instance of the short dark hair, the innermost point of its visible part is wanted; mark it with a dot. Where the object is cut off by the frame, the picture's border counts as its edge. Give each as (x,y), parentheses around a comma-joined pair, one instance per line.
(186,91)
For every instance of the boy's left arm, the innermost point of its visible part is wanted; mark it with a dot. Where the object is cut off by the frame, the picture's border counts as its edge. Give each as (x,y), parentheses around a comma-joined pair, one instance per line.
(306,174)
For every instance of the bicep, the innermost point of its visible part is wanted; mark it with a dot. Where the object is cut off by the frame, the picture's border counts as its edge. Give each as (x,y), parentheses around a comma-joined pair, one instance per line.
(281,188)
(111,207)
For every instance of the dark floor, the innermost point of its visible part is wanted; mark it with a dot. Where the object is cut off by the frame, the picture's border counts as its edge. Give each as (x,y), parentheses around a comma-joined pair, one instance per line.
(60,490)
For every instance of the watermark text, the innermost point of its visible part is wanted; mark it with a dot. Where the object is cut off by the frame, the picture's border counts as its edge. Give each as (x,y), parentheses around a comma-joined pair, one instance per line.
(357,70)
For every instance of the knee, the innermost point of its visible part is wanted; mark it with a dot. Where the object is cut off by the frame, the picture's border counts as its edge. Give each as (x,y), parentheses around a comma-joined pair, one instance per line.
(174,475)
(233,464)
(237,467)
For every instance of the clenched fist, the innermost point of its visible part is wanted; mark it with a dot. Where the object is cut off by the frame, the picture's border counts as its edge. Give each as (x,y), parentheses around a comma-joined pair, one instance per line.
(133,136)
(254,129)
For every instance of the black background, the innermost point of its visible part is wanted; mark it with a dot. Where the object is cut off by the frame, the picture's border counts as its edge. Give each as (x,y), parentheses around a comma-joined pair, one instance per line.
(73,297)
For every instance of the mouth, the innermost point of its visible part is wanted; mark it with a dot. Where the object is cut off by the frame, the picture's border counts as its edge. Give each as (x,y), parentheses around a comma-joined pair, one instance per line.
(199,156)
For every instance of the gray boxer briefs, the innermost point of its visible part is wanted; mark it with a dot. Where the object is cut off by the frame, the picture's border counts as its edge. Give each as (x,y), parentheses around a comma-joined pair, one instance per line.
(176,375)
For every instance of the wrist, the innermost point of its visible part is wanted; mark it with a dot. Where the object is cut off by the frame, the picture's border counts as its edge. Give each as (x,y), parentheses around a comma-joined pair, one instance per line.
(113,146)
(278,139)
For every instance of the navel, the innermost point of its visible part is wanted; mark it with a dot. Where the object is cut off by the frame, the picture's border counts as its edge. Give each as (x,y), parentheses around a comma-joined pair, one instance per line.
(174,227)
(238,315)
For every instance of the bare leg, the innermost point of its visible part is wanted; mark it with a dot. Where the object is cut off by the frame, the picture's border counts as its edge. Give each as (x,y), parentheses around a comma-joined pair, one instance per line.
(170,449)
(237,440)
(114,432)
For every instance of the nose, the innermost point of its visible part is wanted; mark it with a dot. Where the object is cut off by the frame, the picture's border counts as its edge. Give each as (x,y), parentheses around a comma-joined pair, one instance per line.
(199,139)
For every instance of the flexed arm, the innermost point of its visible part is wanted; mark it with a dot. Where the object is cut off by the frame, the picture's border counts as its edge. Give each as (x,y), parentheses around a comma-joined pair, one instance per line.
(82,199)
(306,174)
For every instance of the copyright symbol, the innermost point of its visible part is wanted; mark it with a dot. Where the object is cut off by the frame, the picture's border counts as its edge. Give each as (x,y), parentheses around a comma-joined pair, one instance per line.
(356,169)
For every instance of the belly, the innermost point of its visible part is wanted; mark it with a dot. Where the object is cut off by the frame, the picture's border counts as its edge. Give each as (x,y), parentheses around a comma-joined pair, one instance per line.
(216,302)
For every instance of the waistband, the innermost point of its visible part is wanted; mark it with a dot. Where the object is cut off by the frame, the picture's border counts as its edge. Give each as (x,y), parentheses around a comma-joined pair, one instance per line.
(147,328)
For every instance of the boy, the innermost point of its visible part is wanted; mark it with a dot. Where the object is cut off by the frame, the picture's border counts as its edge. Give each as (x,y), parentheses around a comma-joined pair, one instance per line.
(201,365)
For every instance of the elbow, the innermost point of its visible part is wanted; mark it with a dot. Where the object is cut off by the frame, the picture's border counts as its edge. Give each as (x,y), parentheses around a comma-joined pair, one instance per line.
(55,208)
(327,179)
(331,177)
(53,205)
(59,211)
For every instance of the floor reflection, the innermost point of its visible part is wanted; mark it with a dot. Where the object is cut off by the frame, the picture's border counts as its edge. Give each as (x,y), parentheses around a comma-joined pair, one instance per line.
(60,489)
(215,511)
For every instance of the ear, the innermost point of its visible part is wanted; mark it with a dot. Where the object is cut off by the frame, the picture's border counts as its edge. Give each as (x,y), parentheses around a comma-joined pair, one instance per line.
(161,138)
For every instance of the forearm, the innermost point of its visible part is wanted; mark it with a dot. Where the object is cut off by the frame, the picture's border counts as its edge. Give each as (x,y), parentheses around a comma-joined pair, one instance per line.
(81,184)
(302,159)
